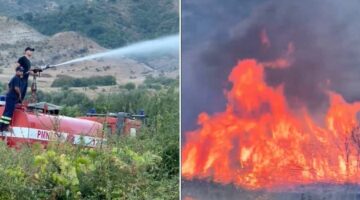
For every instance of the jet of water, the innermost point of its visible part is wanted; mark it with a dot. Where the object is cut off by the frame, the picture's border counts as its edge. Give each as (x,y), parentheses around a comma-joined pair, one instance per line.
(159,45)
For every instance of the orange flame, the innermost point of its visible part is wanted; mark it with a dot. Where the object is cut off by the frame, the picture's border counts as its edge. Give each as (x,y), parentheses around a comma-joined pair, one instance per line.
(260,142)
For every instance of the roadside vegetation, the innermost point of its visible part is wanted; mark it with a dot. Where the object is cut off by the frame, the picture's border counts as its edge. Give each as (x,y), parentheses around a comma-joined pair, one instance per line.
(141,167)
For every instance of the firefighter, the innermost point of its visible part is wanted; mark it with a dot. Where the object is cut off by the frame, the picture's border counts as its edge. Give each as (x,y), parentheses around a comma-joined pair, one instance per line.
(24,62)
(13,97)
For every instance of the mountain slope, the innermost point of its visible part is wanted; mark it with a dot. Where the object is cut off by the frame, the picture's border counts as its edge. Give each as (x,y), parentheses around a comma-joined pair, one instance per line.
(10,27)
(112,23)
(65,46)
(15,8)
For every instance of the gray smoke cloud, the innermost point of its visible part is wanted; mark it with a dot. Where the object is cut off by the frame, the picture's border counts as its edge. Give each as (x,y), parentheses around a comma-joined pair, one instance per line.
(326,36)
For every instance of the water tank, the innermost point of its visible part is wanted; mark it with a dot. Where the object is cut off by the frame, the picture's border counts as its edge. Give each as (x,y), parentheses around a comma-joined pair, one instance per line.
(29,127)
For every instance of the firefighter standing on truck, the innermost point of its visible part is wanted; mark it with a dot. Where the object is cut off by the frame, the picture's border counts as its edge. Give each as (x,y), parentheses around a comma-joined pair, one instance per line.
(24,62)
(13,97)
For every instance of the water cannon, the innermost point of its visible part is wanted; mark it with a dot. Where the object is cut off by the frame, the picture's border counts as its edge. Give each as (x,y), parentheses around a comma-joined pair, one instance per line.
(48,66)
(37,70)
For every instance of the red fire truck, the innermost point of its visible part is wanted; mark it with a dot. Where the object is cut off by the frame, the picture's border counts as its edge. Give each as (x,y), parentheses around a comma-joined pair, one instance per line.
(41,122)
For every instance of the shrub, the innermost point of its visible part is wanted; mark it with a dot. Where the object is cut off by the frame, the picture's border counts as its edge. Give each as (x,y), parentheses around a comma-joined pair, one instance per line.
(3,88)
(93,87)
(150,81)
(143,167)
(68,81)
(129,86)
(78,102)
(117,171)
(154,86)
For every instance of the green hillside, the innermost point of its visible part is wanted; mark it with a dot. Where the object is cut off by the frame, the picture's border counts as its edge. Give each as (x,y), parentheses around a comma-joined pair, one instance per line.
(111,23)
(13,8)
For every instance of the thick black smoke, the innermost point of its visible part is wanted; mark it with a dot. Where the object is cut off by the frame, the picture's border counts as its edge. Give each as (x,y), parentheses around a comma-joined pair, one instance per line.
(325,34)
(204,23)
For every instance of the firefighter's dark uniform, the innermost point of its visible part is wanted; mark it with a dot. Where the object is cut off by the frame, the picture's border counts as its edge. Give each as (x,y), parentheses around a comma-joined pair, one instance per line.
(26,64)
(12,98)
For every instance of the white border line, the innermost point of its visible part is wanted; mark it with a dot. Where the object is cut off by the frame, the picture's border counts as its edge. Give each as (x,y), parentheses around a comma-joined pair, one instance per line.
(180,88)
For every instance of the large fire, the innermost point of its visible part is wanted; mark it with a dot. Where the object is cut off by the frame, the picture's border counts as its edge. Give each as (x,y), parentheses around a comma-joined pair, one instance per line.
(259,141)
